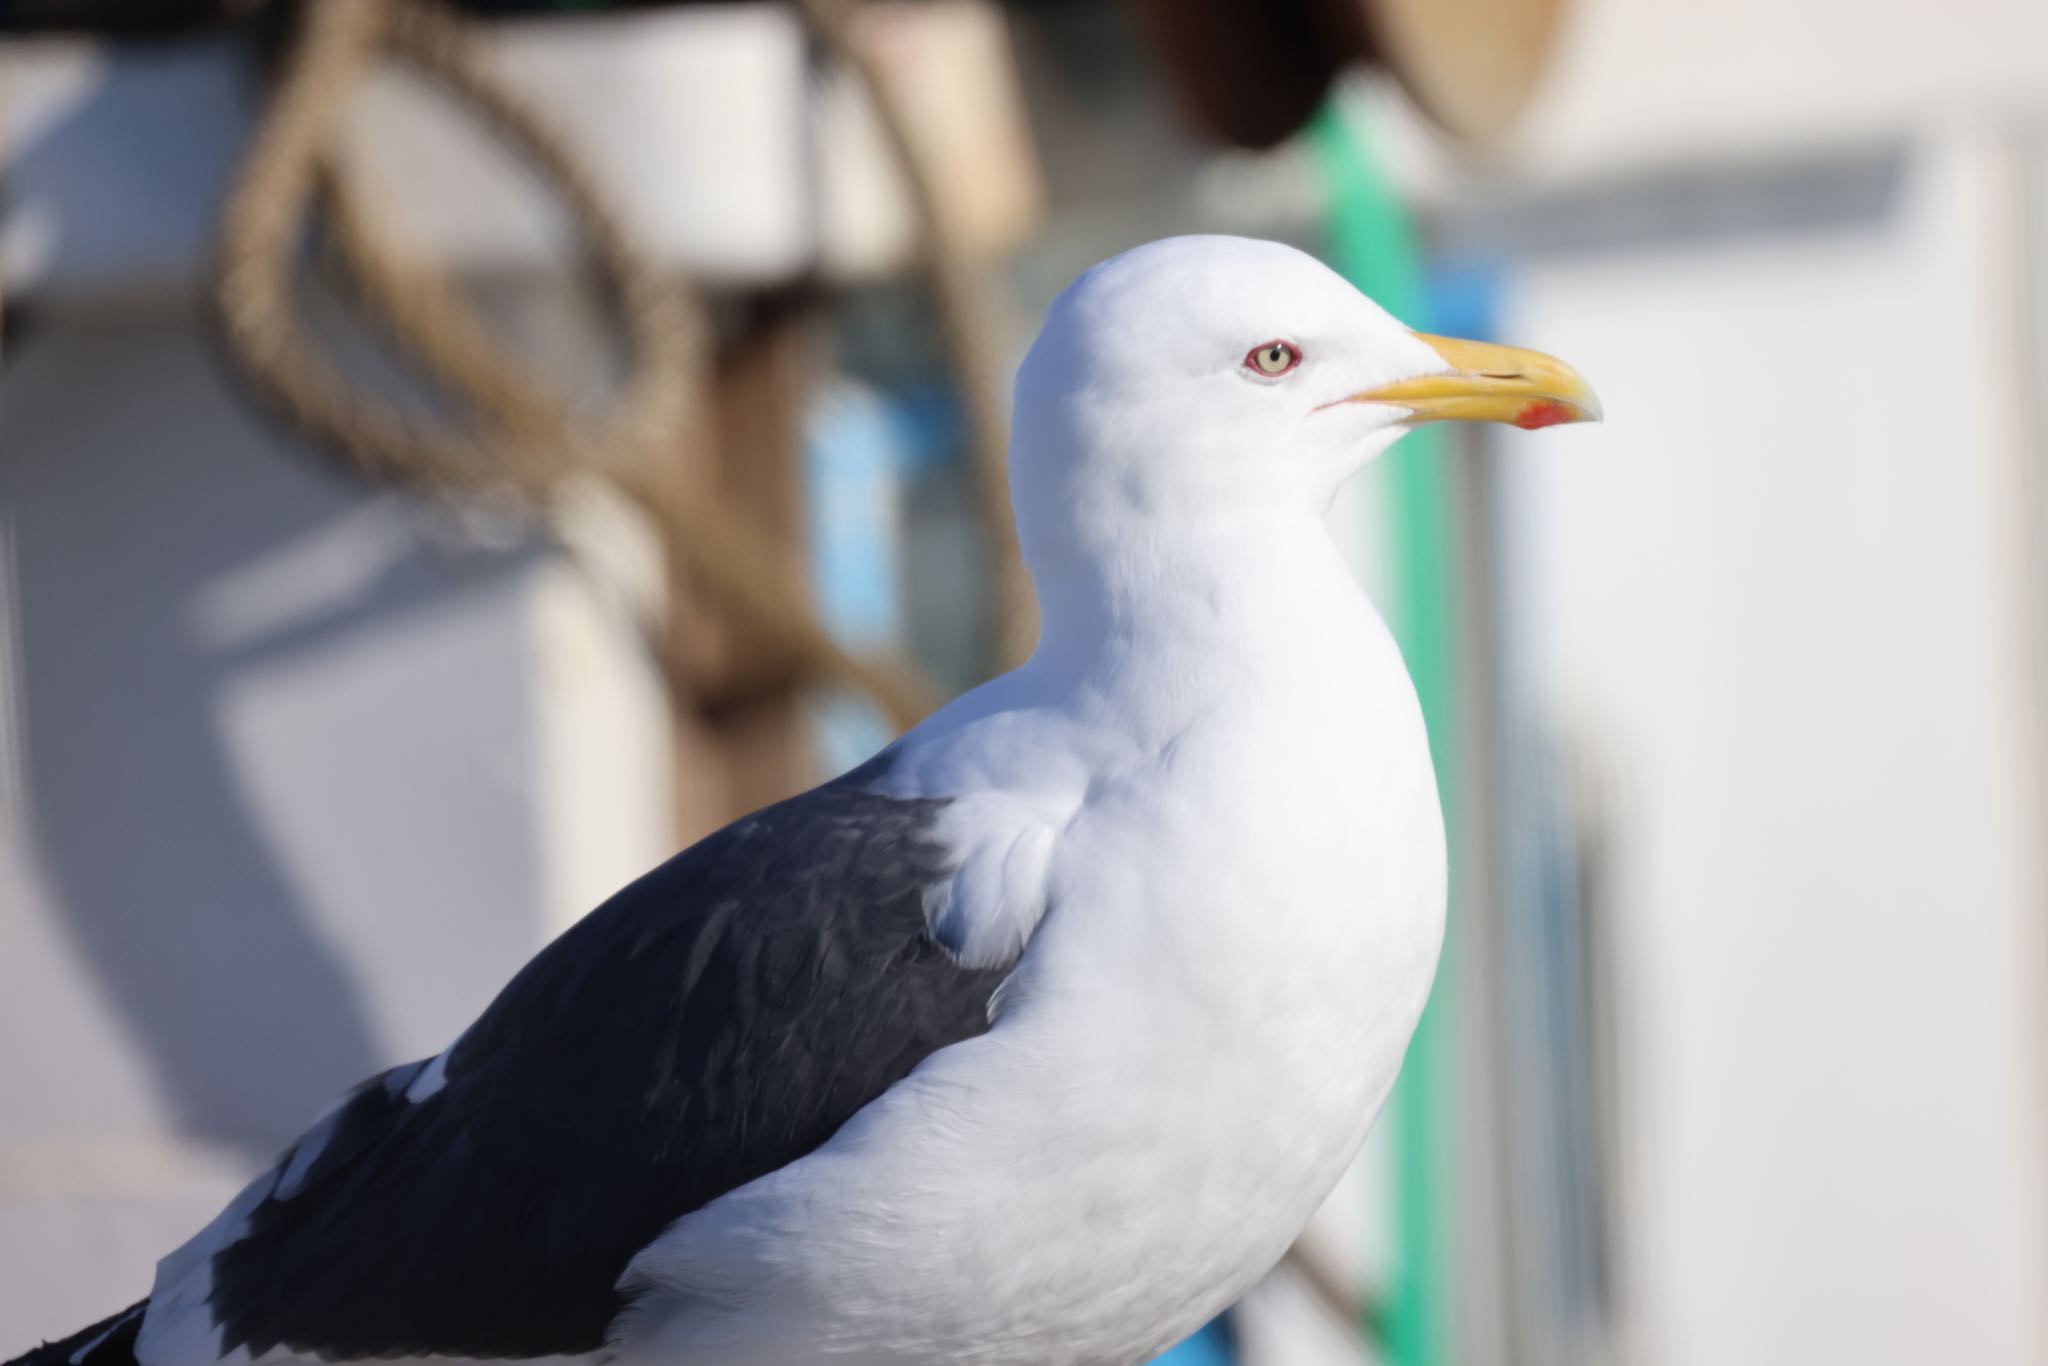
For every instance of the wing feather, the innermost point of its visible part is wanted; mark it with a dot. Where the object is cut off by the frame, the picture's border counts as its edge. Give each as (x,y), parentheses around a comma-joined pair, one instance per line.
(718,1019)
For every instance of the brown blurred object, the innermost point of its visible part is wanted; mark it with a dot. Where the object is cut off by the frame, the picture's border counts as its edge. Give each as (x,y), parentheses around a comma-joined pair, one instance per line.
(1470,64)
(1252,72)
(749,691)
(1249,73)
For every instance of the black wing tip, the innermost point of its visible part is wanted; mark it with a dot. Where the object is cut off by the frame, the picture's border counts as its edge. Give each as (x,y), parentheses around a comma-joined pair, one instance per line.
(110,1342)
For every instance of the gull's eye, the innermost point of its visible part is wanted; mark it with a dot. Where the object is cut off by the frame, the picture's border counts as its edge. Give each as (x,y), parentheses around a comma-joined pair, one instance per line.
(1272,359)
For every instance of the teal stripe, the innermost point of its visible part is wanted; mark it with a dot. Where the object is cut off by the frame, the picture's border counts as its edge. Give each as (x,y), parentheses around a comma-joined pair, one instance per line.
(1372,241)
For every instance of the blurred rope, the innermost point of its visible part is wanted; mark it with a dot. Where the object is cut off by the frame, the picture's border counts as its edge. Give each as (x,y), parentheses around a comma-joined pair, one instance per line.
(284,166)
(527,441)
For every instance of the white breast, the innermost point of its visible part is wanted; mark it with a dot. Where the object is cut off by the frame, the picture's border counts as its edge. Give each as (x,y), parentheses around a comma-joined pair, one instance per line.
(1242,911)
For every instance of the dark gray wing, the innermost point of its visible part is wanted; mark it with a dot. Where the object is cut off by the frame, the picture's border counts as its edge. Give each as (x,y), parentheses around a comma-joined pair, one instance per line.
(716,1020)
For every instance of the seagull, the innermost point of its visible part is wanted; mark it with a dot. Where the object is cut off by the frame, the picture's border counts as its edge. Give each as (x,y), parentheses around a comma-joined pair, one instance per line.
(1034,1040)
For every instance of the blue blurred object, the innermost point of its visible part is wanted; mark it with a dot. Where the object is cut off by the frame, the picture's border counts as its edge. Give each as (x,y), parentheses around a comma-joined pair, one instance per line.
(853,446)
(862,447)
(928,425)
(1464,295)
(850,464)
(1210,1347)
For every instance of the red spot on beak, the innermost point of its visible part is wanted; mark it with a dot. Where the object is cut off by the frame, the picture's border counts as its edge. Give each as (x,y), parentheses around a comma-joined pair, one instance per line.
(1545,413)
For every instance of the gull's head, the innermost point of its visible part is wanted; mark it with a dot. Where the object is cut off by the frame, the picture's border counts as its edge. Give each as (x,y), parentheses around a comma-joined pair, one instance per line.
(1204,382)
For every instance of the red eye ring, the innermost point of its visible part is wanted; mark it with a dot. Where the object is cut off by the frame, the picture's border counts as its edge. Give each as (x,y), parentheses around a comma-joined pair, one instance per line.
(1270,360)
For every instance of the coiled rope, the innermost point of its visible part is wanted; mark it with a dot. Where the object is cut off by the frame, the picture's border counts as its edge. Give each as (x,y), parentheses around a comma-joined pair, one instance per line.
(527,440)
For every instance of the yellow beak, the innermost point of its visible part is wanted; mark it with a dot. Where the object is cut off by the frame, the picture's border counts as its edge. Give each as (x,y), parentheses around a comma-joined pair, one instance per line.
(1491,383)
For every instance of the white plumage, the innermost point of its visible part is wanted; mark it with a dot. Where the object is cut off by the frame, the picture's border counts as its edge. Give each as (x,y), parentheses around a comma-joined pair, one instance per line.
(1207,801)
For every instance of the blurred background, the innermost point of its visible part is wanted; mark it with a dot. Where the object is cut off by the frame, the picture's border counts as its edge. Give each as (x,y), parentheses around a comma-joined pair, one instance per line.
(449,459)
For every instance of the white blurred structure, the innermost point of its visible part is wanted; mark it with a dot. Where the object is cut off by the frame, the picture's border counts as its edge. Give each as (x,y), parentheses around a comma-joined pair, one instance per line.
(1785,608)
(1780,620)
(283,766)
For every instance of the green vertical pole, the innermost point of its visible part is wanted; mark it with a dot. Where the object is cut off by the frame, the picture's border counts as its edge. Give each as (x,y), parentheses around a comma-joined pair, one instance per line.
(1372,241)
